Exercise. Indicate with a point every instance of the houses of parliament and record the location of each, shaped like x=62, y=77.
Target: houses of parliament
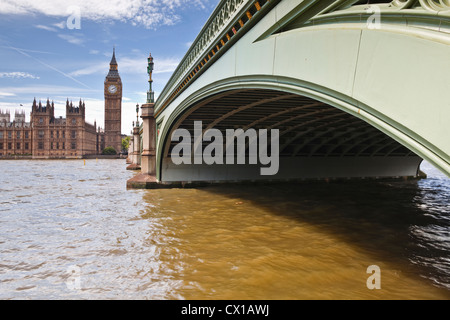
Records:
x=50, y=137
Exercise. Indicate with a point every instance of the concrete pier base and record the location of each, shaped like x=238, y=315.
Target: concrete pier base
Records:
x=134, y=166
x=143, y=181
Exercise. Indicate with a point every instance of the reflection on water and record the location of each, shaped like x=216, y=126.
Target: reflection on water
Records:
x=284, y=241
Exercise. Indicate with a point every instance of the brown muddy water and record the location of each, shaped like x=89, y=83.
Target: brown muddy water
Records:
x=70, y=230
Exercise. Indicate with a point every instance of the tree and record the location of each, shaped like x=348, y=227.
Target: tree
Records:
x=109, y=151
x=125, y=143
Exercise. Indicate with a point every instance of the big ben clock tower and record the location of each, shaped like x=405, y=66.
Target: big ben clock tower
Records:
x=113, y=106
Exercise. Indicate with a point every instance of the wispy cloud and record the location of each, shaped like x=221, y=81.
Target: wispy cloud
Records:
x=47, y=28
x=50, y=67
x=139, y=64
x=71, y=39
x=25, y=50
x=149, y=13
x=18, y=75
x=60, y=25
x=6, y=94
x=48, y=91
x=165, y=65
x=133, y=65
x=92, y=68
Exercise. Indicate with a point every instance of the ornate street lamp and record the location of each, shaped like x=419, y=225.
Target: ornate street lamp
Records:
x=137, y=115
x=150, y=93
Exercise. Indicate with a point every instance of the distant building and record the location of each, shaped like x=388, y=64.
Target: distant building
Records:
x=49, y=137
x=16, y=136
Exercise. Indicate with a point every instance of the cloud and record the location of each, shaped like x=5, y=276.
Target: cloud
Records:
x=12, y=107
x=129, y=65
x=139, y=64
x=50, y=67
x=6, y=94
x=18, y=75
x=71, y=39
x=148, y=13
x=25, y=50
x=60, y=25
x=40, y=26
x=92, y=68
x=165, y=65
x=10, y=7
x=48, y=90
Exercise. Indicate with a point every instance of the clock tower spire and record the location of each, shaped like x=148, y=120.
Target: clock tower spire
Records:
x=113, y=106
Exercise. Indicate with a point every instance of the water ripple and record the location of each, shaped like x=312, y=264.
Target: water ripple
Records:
x=73, y=231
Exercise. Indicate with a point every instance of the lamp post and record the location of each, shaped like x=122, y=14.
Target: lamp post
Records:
x=148, y=156
x=137, y=115
x=136, y=152
x=150, y=93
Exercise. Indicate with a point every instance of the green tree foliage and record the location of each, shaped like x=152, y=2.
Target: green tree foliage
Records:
x=109, y=150
x=125, y=143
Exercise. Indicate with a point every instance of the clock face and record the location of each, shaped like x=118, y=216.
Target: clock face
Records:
x=112, y=89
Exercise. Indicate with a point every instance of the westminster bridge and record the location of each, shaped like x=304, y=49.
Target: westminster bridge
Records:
x=355, y=89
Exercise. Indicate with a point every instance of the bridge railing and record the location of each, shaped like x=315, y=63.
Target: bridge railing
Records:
x=229, y=19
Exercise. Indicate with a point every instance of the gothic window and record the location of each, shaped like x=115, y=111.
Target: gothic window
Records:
x=18, y=145
x=1, y=136
x=26, y=146
x=9, y=145
x=26, y=134
x=74, y=134
x=18, y=134
x=51, y=134
x=9, y=134
x=41, y=134
x=74, y=121
x=41, y=120
x=74, y=145
x=41, y=145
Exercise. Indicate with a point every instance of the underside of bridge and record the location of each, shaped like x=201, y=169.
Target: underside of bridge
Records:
x=316, y=140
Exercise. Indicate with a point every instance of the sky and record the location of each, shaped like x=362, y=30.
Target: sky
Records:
x=61, y=50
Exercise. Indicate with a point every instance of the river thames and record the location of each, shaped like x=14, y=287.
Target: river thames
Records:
x=71, y=230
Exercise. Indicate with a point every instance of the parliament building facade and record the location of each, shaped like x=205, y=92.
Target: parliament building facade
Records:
x=50, y=137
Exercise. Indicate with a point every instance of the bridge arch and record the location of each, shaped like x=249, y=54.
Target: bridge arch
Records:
x=391, y=83
x=323, y=134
